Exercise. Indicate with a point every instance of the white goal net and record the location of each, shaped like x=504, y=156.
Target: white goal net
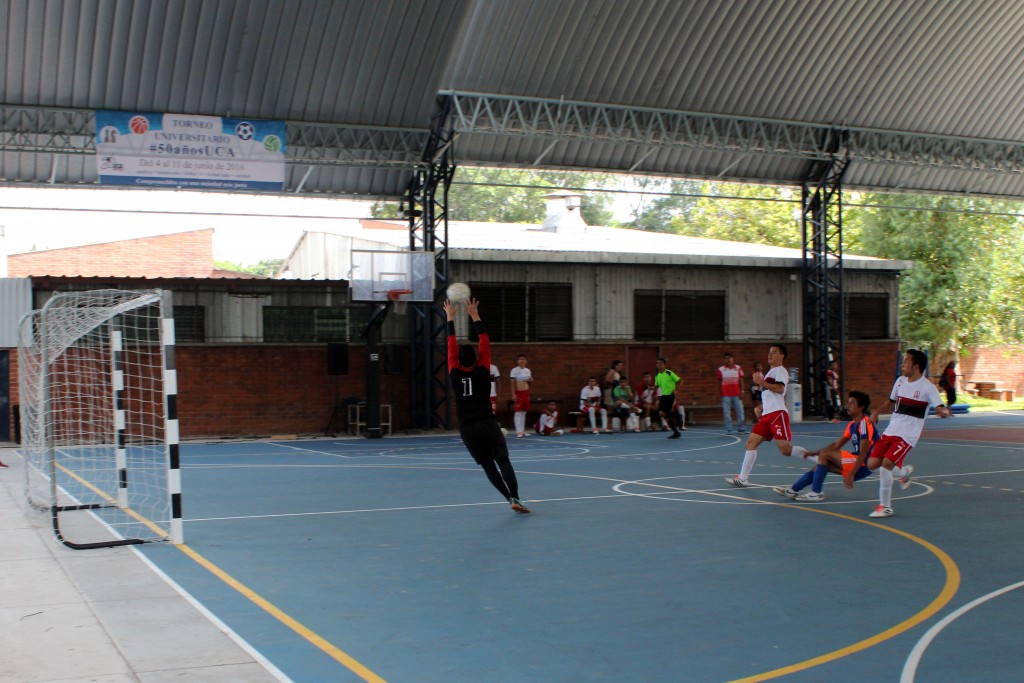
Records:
x=98, y=392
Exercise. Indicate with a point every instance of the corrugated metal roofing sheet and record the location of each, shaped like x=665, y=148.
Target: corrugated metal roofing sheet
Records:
x=926, y=66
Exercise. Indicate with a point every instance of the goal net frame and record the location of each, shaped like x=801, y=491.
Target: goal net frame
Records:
x=100, y=435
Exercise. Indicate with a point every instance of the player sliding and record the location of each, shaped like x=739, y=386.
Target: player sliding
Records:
x=861, y=434
x=913, y=393
x=774, y=422
x=478, y=427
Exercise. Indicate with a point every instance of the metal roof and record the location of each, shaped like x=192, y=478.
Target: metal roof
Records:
x=921, y=93
x=483, y=241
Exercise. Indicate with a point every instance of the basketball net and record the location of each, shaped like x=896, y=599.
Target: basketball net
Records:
x=398, y=304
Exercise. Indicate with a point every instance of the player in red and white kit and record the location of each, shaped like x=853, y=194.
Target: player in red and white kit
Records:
x=774, y=422
x=912, y=394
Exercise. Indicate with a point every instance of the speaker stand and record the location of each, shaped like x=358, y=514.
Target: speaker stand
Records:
x=338, y=417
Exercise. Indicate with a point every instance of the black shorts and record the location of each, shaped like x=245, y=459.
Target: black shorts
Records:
x=484, y=440
x=665, y=404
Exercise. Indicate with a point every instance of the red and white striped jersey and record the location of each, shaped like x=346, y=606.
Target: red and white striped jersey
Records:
x=913, y=399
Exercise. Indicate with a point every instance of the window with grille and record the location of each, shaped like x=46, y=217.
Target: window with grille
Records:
x=519, y=312
x=190, y=324
x=867, y=316
x=282, y=324
x=678, y=315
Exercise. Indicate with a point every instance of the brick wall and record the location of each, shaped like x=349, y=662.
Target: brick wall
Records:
x=1004, y=364
x=183, y=254
x=266, y=389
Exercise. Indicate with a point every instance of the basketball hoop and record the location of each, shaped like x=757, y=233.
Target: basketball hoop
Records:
x=398, y=303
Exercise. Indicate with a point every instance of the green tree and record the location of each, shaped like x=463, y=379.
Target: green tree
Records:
x=512, y=195
x=758, y=214
x=660, y=200
x=268, y=267
x=964, y=266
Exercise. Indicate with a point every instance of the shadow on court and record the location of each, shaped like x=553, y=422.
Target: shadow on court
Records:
x=394, y=559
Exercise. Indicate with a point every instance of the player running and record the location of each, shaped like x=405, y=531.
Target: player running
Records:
x=912, y=394
x=478, y=427
x=860, y=433
x=774, y=422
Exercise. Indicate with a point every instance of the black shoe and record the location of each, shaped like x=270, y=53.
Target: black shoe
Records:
x=675, y=435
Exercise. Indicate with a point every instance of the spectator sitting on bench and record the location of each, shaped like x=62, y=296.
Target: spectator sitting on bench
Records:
x=625, y=411
x=646, y=398
x=590, y=405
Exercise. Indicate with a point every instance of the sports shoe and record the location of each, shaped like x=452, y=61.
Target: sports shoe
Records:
x=905, y=480
x=520, y=435
x=596, y=432
x=737, y=482
x=3, y=464
x=674, y=435
x=519, y=507
x=557, y=432
x=785, y=491
x=881, y=511
x=811, y=497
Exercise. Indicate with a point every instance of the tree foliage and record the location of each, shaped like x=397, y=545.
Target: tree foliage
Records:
x=512, y=195
x=268, y=267
x=966, y=282
x=759, y=214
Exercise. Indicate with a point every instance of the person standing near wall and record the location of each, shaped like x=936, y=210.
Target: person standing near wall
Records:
x=521, y=379
x=666, y=380
x=730, y=377
x=948, y=383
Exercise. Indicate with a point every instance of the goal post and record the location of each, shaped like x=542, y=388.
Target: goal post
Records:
x=98, y=388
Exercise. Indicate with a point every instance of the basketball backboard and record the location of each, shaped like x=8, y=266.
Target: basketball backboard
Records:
x=375, y=273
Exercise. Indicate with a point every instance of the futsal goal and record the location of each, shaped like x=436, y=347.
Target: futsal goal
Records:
x=98, y=395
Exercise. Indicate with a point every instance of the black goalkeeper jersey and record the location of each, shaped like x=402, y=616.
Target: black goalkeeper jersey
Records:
x=472, y=386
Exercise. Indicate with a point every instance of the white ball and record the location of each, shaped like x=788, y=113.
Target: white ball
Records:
x=458, y=292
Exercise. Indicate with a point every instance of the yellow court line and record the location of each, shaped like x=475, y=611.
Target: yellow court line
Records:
x=947, y=593
x=326, y=647
x=110, y=499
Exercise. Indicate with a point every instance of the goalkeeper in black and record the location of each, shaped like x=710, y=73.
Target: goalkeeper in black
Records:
x=470, y=373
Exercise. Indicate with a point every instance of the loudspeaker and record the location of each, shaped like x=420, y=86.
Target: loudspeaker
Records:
x=396, y=358
x=337, y=358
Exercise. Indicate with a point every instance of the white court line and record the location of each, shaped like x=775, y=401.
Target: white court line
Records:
x=910, y=667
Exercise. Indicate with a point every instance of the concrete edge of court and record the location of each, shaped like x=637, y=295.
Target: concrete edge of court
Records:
x=80, y=615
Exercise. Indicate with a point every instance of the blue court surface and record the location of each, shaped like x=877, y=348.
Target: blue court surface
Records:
x=393, y=559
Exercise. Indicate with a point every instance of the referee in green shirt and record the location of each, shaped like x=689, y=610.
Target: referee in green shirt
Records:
x=667, y=381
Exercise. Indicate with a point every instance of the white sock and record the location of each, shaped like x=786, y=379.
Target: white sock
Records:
x=799, y=451
x=898, y=472
x=593, y=419
x=749, y=458
x=519, y=419
x=885, y=487
x=604, y=420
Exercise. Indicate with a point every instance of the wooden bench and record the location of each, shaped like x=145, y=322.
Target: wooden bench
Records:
x=993, y=390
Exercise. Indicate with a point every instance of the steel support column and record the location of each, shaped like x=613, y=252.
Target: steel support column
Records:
x=426, y=207
x=824, y=304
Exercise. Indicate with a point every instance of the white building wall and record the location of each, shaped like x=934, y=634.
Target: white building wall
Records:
x=762, y=303
x=15, y=303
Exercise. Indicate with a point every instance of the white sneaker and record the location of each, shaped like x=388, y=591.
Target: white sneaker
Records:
x=905, y=480
x=737, y=482
x=785, y=491
x=881, y=511
x=557, y=432
x=596, y=432
x=811, y=497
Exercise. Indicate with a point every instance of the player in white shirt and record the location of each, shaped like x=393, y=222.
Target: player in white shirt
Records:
x=521, y=378
x=912, y=394
x=774, y=422
x=590, y=405
x=495, y=376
